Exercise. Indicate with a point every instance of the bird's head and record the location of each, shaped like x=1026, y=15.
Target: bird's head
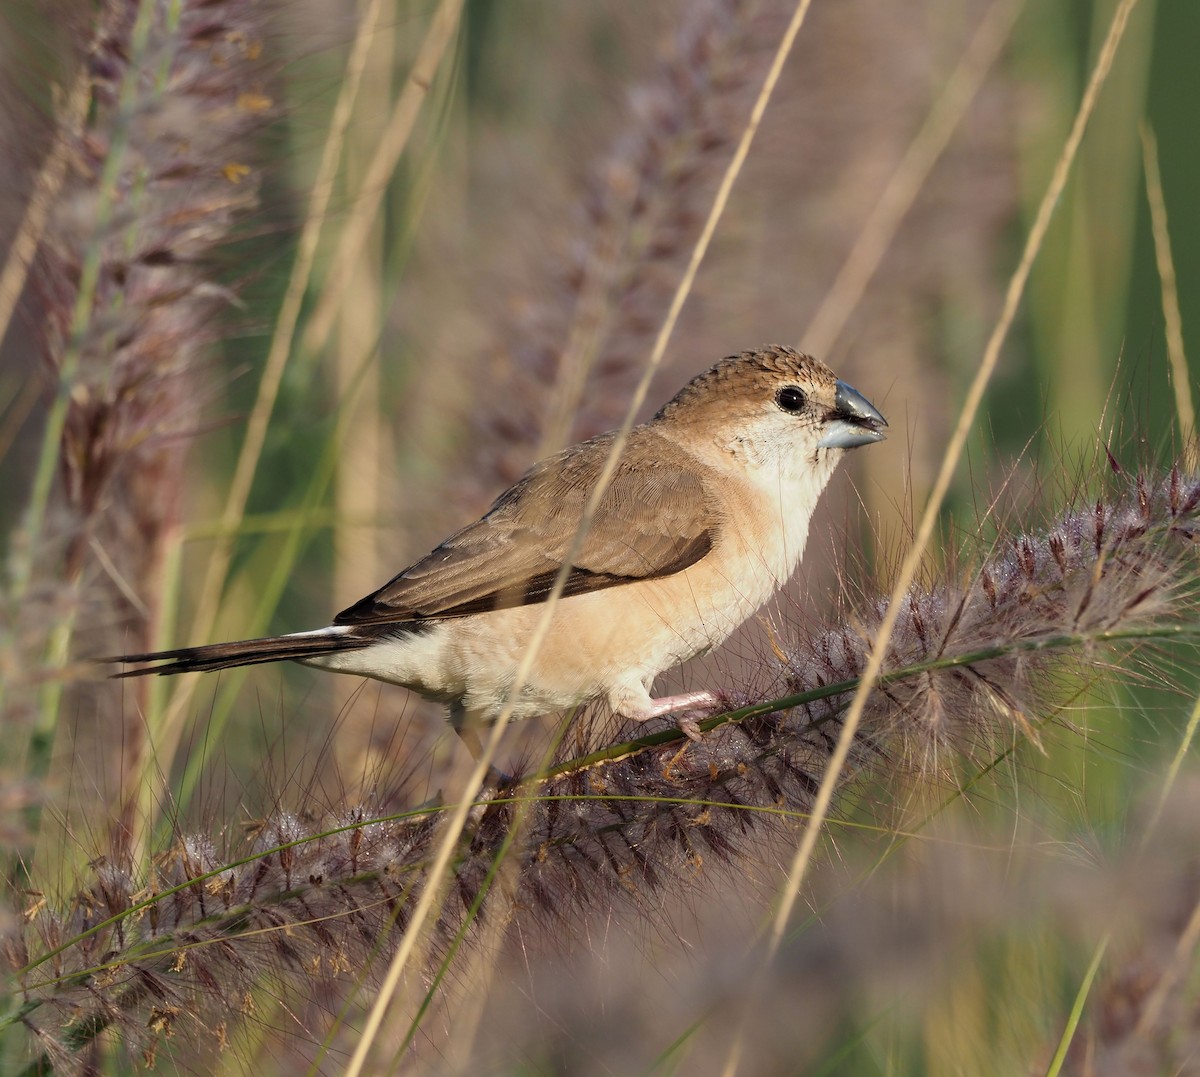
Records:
x=774, y=407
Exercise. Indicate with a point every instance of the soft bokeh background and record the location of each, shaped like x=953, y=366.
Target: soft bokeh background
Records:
x=545, y=205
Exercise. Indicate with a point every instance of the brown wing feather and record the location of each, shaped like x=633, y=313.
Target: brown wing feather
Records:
x=654, y=520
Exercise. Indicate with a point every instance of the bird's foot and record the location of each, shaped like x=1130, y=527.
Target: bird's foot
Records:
x=496, y=783
x=687, y=709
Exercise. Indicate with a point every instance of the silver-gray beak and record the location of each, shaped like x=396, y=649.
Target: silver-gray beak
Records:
x=855, y=421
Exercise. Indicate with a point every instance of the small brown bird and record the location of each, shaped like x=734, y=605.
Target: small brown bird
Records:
x=705, y=518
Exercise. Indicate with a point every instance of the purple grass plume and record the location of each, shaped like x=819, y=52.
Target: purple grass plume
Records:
x=975, y=662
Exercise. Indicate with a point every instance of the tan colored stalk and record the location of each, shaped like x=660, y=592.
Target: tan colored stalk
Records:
x=362, y=215
x=1181, y=754
x=906, y=182
x=1181, y=964
x=356, y=487
x=365, y=211
x=1172, y=319
x=435, y=886
x=166, y=730
x=954, y=449
x=46, y=187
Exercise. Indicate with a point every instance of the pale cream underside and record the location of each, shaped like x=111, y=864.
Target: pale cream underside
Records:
x=613, y=643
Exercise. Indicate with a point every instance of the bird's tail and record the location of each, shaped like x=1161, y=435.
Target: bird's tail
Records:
x=246, y=652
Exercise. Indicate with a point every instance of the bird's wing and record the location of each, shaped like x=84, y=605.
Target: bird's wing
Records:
x=654, y=520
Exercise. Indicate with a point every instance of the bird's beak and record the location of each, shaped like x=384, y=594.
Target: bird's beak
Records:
x=854, y=421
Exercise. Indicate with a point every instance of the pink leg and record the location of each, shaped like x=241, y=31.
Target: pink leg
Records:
x=688, y=707
x=671, y=704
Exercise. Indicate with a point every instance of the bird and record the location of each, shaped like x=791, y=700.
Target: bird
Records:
x=706, y=516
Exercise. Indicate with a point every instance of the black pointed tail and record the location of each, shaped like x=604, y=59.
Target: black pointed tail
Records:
x=246, y=652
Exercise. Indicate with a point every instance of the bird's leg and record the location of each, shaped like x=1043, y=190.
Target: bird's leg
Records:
x=686, y=708
x=466, y=724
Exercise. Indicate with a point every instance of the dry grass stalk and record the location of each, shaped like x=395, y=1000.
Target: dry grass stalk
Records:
x=1172, y=319
x=587, y=322
x=950, y=459
x=128, y=307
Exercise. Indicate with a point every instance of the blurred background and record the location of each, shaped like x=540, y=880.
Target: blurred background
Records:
x=515, y=265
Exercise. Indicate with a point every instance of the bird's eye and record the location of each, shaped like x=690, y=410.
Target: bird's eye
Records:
x=790, y=398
